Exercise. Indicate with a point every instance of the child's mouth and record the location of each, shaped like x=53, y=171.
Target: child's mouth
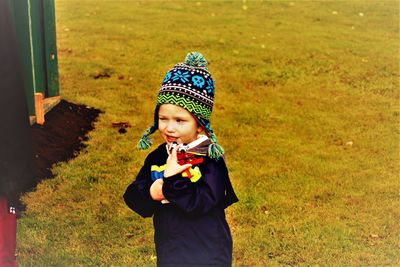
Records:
x=171, y=139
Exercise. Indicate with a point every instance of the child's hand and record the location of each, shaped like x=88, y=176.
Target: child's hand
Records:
x=156, y=190
x=172, y=167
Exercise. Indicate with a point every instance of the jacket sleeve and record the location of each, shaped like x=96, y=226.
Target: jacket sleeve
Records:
x=137, y=195
x=200, y=197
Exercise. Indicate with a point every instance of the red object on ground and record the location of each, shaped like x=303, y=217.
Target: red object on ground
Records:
x=8, y=234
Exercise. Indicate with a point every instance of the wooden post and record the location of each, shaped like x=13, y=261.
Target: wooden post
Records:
x=39, y=108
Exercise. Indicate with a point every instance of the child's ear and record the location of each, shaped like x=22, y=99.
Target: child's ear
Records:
x=200, y=129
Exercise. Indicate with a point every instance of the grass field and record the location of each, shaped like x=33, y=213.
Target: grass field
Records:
x=307, y=109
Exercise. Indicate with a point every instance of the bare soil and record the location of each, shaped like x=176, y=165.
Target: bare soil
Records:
x=62, y=135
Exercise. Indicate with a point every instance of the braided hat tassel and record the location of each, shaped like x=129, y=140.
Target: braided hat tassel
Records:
x=145, y=142
x=215, y=151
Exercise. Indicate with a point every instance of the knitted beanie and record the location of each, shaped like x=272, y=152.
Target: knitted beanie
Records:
x=188, y=85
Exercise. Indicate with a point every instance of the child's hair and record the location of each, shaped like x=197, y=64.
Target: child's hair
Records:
x=189, y=85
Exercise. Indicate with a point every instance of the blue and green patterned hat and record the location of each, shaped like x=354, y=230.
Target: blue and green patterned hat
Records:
x=189, y=85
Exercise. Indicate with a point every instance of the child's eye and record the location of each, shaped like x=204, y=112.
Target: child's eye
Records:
x=180, y=120
x=162, y=119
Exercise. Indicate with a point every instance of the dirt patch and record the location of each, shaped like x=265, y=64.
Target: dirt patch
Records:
x=60, y=138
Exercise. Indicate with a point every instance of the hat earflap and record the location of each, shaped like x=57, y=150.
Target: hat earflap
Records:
x=215, y=151
x=145, y=142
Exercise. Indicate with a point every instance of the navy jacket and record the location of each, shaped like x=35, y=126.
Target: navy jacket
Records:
x=191, y=230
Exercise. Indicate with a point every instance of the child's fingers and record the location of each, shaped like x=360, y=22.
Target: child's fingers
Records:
x=182, y=168
x=174, y=152
x=186, y=166
x=171, y=147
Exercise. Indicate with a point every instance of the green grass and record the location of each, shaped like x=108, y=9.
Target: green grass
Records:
x=296, y=82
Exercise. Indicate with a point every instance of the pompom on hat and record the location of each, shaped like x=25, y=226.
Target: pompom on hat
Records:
x=188, y=85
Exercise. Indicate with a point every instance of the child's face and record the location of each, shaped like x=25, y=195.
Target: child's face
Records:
x=176, y=124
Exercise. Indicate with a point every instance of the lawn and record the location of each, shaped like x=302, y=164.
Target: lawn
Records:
x=307, y=110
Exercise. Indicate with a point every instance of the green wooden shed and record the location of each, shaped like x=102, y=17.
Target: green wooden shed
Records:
x=35, y=26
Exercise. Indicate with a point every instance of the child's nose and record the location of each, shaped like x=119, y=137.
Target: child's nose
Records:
x=170, y=127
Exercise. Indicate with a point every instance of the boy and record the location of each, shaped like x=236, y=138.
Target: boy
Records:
x=184, y=183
